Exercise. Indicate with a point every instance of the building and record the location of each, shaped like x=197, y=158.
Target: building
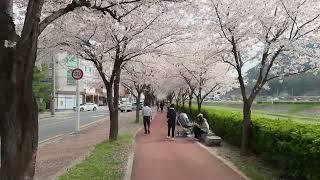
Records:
x=90, y=86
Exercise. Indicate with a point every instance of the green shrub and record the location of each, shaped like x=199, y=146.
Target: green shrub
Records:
x=292, y=147
x=41, y=105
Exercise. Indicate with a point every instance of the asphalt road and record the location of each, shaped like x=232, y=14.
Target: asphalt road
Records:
x=60, y=125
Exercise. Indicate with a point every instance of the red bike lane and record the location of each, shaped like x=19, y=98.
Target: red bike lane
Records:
x=157, y=158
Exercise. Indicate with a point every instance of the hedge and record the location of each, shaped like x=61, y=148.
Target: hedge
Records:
x=292, y=147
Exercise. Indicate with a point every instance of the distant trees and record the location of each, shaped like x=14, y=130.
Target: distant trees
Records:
x=136, y=78
x=304, y=84
x=41, y=87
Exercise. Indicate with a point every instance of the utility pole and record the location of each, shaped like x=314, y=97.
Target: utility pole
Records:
x=53, y=73
x=77, y=101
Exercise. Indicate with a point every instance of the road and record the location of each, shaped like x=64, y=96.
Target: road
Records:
x=52, y=127
x=60, y=125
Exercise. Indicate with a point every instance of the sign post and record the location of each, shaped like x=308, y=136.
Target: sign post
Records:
x=53, y=71
x=77, y=74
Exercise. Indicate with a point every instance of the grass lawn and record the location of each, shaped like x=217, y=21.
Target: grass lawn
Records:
x=293, y=112
x=106, y=162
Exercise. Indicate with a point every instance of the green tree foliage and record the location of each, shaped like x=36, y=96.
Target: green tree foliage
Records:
x=41, y=87
x=303, y=84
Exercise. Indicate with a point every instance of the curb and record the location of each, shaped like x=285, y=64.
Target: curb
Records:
x=73, y=163
x=128, y=173
x=49, y=139
x=224, y=161
x=47, y=118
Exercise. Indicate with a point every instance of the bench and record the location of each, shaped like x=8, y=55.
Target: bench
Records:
x=213, y=141
x=210, y=139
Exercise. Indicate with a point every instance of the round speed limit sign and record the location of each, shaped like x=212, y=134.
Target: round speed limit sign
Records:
x=77, y=74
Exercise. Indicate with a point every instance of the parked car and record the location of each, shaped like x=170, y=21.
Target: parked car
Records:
x=134, y=106
x=125, y=107
x=87, y=107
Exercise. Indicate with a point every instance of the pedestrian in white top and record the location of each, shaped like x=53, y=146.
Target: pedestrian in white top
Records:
x=147, y=116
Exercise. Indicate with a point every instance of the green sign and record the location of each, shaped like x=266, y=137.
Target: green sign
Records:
x=71, y=63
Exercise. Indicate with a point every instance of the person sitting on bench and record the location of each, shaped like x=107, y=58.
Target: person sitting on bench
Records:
x=200, y=127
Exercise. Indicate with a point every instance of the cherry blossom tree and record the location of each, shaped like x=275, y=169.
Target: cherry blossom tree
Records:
x=205, y=76
x=182, y=94
x=112, y=44
x=137, y=76
x=199, y=67
x=18, y=52
x=279, y=36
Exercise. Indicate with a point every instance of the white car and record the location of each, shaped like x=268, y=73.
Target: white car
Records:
x=134, y=106
x=87, y=107
x=125, y=107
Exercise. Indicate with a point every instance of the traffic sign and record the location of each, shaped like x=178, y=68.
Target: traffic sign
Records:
x=44, y=81
x=77, y=74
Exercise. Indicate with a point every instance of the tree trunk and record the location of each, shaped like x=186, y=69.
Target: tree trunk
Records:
x=170, y=99
x=148, y=95
x=190, y=104
x=18, y=109
x=138, y=107
x=114, y=124
x=110, y=104
x=183, y=103
x=199, y=103
x=177, y=102
x=246, y=127
x=19, y=137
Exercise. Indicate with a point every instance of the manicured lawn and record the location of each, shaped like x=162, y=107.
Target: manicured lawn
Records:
x=107, y=161
x=302, y=113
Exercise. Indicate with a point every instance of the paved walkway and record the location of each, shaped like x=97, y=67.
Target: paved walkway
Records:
x=159, y=159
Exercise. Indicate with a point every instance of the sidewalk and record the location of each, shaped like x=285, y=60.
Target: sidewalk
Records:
x=157, y=158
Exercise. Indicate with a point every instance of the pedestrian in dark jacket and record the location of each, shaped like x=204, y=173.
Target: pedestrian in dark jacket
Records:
x=171, y=115
x=161, y=106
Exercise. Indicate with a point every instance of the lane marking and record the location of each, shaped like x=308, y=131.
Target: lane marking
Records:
x=64, y=118
x=48, y=139
x=99, y=115
x=54, y=118
x=89, y=124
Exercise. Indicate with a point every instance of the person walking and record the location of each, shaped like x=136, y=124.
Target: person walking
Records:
x=158, y=106
x=161, y=106
x=171, y=115
x=147, y=117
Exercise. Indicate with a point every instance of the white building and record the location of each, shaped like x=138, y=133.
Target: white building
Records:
x=90, y=86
